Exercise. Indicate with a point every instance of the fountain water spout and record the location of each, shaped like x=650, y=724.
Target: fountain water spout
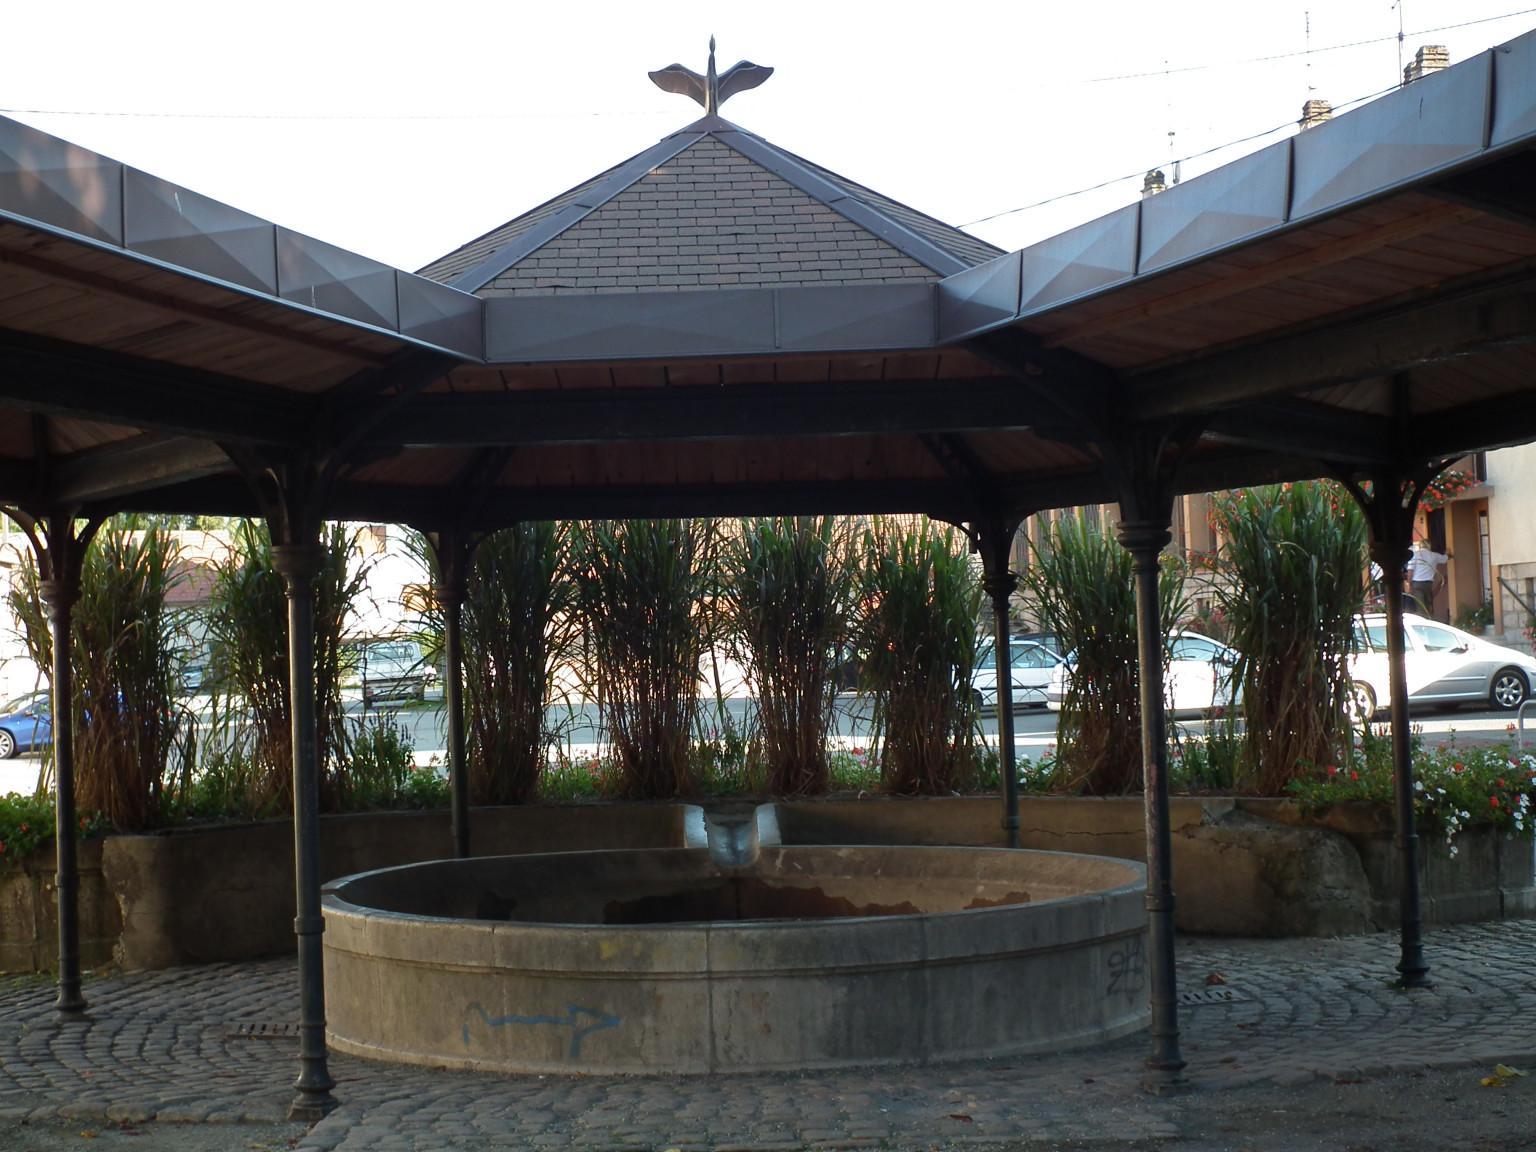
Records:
x=731, y=831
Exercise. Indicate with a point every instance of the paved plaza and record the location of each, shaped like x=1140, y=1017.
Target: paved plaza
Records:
x=213, y=1045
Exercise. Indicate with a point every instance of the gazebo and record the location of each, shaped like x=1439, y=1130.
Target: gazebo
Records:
x=717, y=326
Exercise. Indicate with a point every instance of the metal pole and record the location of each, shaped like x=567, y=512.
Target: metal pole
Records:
x=60, y=594
x=1390, y=551
x=298, y=565
x=1000, y=585
x=1145, y=541
x=451, y=592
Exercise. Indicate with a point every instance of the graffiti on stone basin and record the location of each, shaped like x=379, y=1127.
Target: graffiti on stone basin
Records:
x=1127, y=970
x=581, y=1021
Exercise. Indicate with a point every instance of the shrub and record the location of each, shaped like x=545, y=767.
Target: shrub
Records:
x=1295, y=555
x=518, y=624
x=919, y=603
x=1083, y=584
x=786, y=593
x=642, y=587
x=126, y=661
x=248, y=625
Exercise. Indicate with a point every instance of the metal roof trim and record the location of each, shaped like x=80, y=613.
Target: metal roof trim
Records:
x=955, y=289
x=596, y=327
x=627, y=174
x=238, y=289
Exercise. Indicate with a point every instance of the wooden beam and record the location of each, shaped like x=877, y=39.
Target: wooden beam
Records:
x=1303, y=427
x=1483, y=425
x=58, y=378
x=594, y=416
x=1373, y=344
x=1328, y=251
x=142, y=464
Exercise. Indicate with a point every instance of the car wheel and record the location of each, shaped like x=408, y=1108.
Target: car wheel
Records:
x=1362, y=702
x=7, y=745
x=1509, y=689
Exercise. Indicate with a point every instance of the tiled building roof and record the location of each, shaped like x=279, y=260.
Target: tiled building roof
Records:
x=711, y=207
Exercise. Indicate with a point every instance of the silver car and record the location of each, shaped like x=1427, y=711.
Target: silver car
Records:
x=1032, y=664
x=1445, y=666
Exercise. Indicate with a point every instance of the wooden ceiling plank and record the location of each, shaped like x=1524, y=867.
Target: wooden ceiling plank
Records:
x=1335, y=252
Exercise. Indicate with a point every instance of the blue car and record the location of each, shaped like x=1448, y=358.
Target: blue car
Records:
x=26, y=723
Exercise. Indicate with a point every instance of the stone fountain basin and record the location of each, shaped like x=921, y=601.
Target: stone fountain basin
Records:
x=650, y=960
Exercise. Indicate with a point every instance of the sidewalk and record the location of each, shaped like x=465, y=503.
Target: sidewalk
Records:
x=1292, y=1021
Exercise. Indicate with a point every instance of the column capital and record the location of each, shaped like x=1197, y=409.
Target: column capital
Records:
x=297, y=564
x=1144, y=539
x=1000, y=585
x=59, y=595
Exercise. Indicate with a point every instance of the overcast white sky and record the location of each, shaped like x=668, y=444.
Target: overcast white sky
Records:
x=402, y=130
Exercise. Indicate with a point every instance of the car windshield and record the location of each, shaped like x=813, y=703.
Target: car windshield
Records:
x=24, y=701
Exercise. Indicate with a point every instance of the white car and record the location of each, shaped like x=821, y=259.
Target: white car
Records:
x=1032, y=664
x=1198, y=679
x=1445, y=666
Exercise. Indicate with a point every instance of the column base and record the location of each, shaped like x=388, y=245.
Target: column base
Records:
x=311, y=1108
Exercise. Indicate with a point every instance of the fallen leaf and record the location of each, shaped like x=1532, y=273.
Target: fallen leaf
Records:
x=1215, y=978
x=87, y=1134
x=1506, y=1071
x=1491, y=1082
x=960, y=1116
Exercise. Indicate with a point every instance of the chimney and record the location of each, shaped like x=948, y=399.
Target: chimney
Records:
x=1315, y=112
x=1154, y=183
x=1429, y=58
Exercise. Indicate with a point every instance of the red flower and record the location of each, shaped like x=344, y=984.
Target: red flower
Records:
x=1500, y=783
x=1457, y=767
x=858, y=751
x=1332, y=771
x=1494, y=800
x=1353, y=775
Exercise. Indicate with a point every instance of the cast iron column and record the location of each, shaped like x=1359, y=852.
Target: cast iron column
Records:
x=1145, y=540
x=996, y=540
x=451, y=595
x=298, y=564
x=1389, y=548
x=60, y=593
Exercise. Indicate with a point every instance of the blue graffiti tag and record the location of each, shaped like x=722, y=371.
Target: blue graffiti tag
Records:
x=572, y=1019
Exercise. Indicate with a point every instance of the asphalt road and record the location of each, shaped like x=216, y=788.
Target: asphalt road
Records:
x=1034, y=729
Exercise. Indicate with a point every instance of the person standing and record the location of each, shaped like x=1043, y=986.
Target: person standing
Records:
x=1423, y=566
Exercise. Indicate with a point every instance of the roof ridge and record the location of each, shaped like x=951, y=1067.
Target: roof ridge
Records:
x=920, y=237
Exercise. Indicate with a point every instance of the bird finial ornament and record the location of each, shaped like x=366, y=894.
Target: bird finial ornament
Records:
x=711, y=90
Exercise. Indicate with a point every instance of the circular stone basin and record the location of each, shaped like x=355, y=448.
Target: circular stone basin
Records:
x=656, y=960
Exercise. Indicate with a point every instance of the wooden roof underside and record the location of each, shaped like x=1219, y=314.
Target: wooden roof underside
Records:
x=1397, y=326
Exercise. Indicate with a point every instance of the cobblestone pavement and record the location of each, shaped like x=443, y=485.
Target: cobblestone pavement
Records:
x=208, y=1044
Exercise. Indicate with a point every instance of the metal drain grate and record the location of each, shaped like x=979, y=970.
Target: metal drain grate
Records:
x=262, y=1030
x=1197, y=996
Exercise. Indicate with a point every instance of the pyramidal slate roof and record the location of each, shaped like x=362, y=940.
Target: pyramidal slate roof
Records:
x=711, y=206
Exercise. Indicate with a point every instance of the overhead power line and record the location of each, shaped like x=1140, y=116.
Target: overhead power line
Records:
x=1304, y=51
x=1140, y=173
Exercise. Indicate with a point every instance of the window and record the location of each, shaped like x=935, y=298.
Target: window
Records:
x=1436, y=639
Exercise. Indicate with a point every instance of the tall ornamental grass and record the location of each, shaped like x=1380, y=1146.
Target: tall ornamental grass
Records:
x=248, y=626
x=786, y=593
x=1295, y=555
x=519, y=624
x=1084, y=589
x=919, y=602
x=643, y=589
x=126, y=659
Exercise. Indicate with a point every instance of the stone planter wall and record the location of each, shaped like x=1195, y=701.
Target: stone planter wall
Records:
x=29, y=912
x=192, y=896
x=1242, y=867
